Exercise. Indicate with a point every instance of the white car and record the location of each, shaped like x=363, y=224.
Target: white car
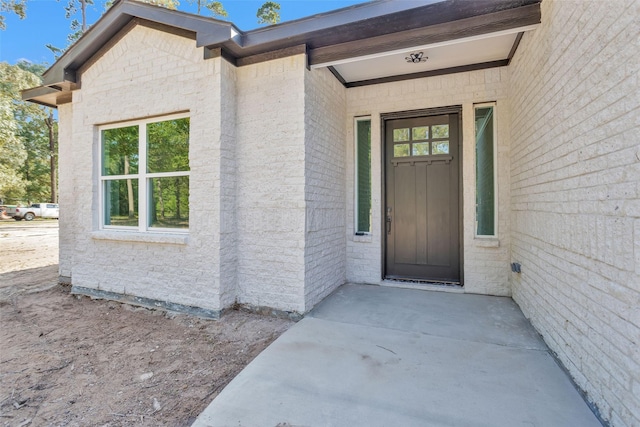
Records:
x=42, y=210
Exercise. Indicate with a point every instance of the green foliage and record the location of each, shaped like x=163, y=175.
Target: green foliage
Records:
x=216, y=9
x=269, y=13
x=19, y=7
x=167, y=151
x=169, y=4
x=24, y=144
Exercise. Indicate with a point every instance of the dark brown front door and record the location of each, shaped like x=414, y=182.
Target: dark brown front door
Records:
x=422, y=194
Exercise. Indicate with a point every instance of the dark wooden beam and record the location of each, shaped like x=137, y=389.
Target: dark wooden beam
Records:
x=516, y=43
x=276, y=54
x=338, y=76
x=217, y=52
x=468, y=27
x=431, y=73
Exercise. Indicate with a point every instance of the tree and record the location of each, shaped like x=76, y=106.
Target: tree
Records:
x=19, y=7
x=78, y=28
x=216, y=9
x=169, y=4
x=39, y=132
x=15, y=114
x=269, y=13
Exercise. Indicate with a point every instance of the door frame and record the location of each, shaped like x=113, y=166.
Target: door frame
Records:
x=409, y=114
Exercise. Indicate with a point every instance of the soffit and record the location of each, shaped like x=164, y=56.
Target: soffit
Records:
x=361, y=43
x=490, y=50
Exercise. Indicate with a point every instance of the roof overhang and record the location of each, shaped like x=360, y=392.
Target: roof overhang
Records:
x=352, y=42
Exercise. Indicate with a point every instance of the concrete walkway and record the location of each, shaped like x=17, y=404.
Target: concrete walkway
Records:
x=378, y=356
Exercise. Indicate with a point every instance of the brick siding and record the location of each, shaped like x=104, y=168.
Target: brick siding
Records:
x=325, y=253
x=575, y=194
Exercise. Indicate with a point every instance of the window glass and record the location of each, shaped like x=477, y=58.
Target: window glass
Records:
x=363, y=176
x=440, y=147
x=400, y=135
x=121, y=202
x=145, y=174
x=421, y=149
x=401, y=150
x=169, y=202
x=485, y=185
x=440, y=131
x=120, y=151
x=421, y=132
x=168, y=146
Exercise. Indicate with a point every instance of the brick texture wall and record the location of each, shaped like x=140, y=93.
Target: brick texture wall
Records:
x=146, y=73
x=486, y=262
x=575, y=194
x=325, y=254
x=65, y=197
x=270, y=153
x=227, y=269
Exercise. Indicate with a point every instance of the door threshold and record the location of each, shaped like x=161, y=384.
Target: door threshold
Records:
x=427, y=285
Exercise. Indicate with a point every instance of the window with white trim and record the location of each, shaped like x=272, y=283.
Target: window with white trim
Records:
x=144, y=174
x=486, y=172
x=363, y=175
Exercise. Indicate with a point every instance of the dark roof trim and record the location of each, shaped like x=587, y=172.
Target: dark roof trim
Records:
x=117, y=18
x=516, y=43
x=383, y=19
x=468, y=27
x=366, y=28
x=431, y=73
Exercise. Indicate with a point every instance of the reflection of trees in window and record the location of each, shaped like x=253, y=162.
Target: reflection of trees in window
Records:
x=485, y=171
x=120, y=157
x=164, y=149
x=363, y=171
x=168, y=151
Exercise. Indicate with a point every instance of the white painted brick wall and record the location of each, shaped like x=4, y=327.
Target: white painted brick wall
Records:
x=228, y=233
x=486, y=268
x=147, y=73
x=65, y=192
x=575, y=194
x=325, y=252
x=271, y=208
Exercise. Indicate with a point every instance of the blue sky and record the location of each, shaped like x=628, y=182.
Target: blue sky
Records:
x=46, y=24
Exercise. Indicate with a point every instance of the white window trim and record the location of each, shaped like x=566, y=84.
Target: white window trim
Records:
x=142, y=176
x=495, y=172
x=355, y=177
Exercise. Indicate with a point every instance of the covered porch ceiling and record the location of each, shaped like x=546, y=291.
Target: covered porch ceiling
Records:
x=369, y=43
x=464, y=54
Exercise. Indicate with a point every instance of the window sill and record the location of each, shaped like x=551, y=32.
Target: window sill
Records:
x=487, y=242
x=133, y=236
x=363, y=238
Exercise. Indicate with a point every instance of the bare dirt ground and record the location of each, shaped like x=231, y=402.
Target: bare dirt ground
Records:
x=73, y=361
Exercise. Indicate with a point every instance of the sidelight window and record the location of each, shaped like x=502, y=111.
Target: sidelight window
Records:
x=486, y=154
x=363, y=175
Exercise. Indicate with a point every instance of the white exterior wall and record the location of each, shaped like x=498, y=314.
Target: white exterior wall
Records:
x=270, y=156
x=66, y=184
x=226, y=239
x=146, y=73
x=325, y=253
x=575, y=194
x=485, y=261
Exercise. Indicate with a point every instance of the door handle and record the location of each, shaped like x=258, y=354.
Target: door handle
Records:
x=389, y=219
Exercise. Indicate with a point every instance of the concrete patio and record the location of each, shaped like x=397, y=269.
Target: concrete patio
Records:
x=380, y=356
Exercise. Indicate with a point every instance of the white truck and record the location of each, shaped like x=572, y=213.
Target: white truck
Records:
x=42, y=210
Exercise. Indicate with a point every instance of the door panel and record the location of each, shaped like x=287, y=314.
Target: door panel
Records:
x=422, y=191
